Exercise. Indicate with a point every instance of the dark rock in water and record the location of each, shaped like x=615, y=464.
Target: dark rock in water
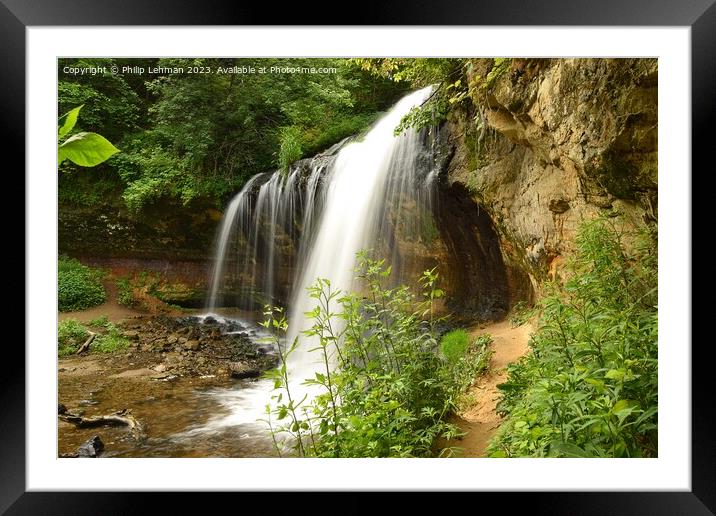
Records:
x=91, y=448
x=241, y=370
x=233, y=327
x=210, y=320
x=264, y=349
x=61, y=409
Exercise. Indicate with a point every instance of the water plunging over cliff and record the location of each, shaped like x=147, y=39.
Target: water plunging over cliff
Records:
x=377, y=192
x=354, y=214
x=285, y=230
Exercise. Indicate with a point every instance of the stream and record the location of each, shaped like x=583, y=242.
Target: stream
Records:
x=182, y=416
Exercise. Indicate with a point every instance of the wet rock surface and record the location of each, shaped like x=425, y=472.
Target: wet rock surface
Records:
x=91, y=448
x=195, y=346
x=171, y=378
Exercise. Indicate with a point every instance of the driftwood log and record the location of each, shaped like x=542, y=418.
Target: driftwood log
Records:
x=119, y=418
x=84, y=347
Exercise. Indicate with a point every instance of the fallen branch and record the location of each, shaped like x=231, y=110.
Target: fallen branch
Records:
x=87, y=343
x=120, y=418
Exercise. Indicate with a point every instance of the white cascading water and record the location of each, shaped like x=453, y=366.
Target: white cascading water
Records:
x=228, y=223
x=349, y=200
x=354, y=198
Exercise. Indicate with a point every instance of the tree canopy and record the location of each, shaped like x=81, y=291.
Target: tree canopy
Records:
x=187, y=135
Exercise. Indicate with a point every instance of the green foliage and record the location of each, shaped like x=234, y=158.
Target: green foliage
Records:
x=418, y=72
x=201, y=136
x=85, y=149
x=78, y=286
x=446, y=74
x=125, y=292
x=101, y=322
x=454, y=344
x=112, y=103
x=110, y=341
x=469, y=366
x=520, y=314
x=290, y=149
x=499, y=66
x=70, y=336
x=384, y=389
x=70, y=121
x=589, y=386
x=429, y=114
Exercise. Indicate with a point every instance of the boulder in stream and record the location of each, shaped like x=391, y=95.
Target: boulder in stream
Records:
x=91, y=448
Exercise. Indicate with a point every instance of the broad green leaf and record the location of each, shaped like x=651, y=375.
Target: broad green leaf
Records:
x=70, y=121
x=87, y=149
x=623, y=408
x=594, y=382
x=615, y=374
x=60, y=156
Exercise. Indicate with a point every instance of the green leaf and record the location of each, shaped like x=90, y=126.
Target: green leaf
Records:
x=615, y=374
x=623, y=408
x=61, y=156
x=70, y=121
x=560, y=448
x=86, y=149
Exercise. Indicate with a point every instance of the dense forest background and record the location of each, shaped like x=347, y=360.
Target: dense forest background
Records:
x=190, y=136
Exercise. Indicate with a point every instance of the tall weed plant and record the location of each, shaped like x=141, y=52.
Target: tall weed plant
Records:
x=384, y=388
x=588, y=388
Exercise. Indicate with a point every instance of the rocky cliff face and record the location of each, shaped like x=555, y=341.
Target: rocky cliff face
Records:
x=553, y=142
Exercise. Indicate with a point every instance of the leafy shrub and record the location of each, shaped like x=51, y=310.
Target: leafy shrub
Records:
x=78, y=286
x=474, y=361
x=70, y=336
x=125, y=292
x=385, y=389
x=589, y=386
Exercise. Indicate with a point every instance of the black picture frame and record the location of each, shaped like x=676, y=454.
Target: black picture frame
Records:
x=700, y=15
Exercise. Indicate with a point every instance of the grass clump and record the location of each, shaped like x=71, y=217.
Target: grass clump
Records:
x=110, y=341
x=589, y=386
x=70, y=336
x=454, y=344
x=78, y=286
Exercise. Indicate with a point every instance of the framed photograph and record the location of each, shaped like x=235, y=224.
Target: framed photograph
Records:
x=399, y=257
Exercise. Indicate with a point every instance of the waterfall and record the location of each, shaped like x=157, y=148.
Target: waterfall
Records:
x=282, y=231
x=355, y=195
